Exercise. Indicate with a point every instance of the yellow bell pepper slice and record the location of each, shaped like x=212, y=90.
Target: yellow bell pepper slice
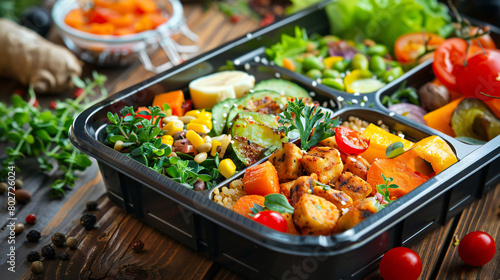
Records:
x=329, y=61
x=436, y=151
x=379, y=141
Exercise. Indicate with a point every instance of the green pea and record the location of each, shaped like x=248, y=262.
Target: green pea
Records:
x=393, y=74
x=377, y=50
x=334, y=83
x=377, y=64
x=314, y=74
x=341, y=65
x=330, y=73
x=360, y=62
x=312, y=62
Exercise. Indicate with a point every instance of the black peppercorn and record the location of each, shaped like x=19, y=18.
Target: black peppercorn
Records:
x=137, y=246
x=58, y=239
x=91, y=205
x=33, y=256
x=33, y=235
x=48, y=252
x=37, y=267
x=88, y=221
x=64, y=256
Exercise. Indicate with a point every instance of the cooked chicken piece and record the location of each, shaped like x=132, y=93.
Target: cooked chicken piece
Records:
x=338, y=198
x=357, y=165
x=287, y=162
x=315, y=215
x=303, y=185
x=325, y=162
x=285, y=188
x=290, y=225
x=359, y=211
x=353, y=186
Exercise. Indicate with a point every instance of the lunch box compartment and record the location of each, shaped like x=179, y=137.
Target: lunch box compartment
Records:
x=254, y=250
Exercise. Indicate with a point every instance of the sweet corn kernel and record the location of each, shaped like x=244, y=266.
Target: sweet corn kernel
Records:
x=204, y=115
x=206, y=122
x=194, y=138
x=227, y=168
x=167, y=140
x=192, y=113
x=215, y=145
x=173, y=127
x=196, y=127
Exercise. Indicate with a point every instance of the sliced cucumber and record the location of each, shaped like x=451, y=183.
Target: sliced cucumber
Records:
x=283, y=87
x=219, y=115
x=252, y=134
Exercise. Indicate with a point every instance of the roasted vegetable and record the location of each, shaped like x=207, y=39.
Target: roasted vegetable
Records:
x=472, y=118
x=287, y=162
x=261, y=179
x=315, y=215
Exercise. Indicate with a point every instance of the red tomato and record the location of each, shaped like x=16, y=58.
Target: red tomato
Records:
x=485, y=40
x=481, y=75
x=102, y=15
x=31, y=219
x=449, y=58
x=271, y=219
x=409, y=47
x=350, y=141
x=476, y=248
x=400, y=263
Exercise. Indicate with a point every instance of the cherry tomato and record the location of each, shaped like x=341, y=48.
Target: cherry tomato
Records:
x=53, y=104
x=476, y=248
x=78, y=92
x=481, y=75
x=485, y=40
x=271, y=219
x=409, y=47
x=350, y=141
x=400, y=263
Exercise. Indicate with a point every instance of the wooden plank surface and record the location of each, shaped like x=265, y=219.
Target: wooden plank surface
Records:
x=105, y=252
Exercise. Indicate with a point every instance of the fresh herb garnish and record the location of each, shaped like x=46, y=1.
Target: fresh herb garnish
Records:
x=325, y=187
x=140, y=135
x=383, y=189
x=43, y=134
x=307, y=119
x=274, y=202
x=395, y=149
x=401, y=94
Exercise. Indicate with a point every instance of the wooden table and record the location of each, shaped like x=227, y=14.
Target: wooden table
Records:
x=105, y=252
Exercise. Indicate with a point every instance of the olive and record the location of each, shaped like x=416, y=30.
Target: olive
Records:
x=377, y=64
x=37, y=19
x=333, y=83
x=393, y=74
x=314, y=74
x=473, y=118
x=377, y=50
x=330, y=73
x=359, y=61
x=312, y=62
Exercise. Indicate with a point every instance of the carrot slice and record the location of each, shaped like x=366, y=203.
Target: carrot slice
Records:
x=243, y=205
x=402, y=175
x=440, y=119
x=174, y=99
x=261, y=179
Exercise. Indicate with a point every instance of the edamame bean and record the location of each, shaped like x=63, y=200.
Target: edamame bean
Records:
x=377, y=50
x=377, y=64
x=360, y=62
x=393, y=74
x=314, y=74
x=334, y=83
x=330, y=73
x=341, y=65
x=312, y=62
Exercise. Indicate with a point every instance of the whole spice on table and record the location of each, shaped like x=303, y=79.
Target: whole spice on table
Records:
x=4, y=187
x=88, y=221
x=64, y=256
x=48, y=252
x=37, y=267
x=72, y=242
x=18, y=183
x=137, y=246
x=58, y=239
x=31, y=219
x=33, y=236
x=91, y=205
x=33, y=256
x=23, y=196
x=19, y=227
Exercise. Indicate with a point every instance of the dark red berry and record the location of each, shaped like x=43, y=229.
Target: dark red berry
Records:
x=137, y=246
x=19, y=92
x=78, y=92
x=31, y=219
x=53, y=105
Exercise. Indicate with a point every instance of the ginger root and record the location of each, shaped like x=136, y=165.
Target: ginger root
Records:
x=32, y=60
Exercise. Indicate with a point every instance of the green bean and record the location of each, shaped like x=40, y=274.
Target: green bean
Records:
x=377, y=50
x=341, y=65
x=330, y=73
x=314, y=74
x=393, y=74
x=334, y=83
x=360, y=62
x=312, y=62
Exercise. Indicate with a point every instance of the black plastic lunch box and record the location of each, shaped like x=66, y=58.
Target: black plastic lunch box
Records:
x=251, y=249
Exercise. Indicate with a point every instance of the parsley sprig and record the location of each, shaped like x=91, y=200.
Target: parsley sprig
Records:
x=33, y=132
x=383, y=189
x=312, y=123
x=140, y=135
